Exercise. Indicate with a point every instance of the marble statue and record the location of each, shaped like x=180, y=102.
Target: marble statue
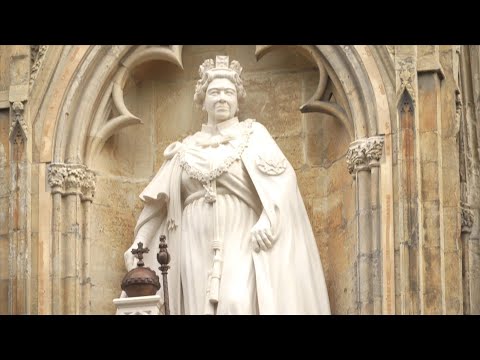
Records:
x=228, y=202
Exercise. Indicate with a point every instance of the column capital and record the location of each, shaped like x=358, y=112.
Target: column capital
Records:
x=69, y=179
x=363, y=154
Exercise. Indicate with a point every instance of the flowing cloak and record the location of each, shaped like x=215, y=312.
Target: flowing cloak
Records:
x=289, y=276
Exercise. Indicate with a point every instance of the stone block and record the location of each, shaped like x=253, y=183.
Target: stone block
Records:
x=348, y=200
x=452, y=228
x=119, y=193
x=4, y=215
x=274, y=101
x=327, y=214
x=307, y=178
x=431, y=224
x=453, y=282
x=4, y=257
x=4, y=297
x=293, y=149
x=34, y=210
x=5, y=60
x=451, y=186
x=450, y=156
x=429, y=146
x=430, y=181
x=432, y=280
x=113, y=235
x=339, y=260
x=279, y=59
x=326, y=139
x=337, y=178
x=428, y=102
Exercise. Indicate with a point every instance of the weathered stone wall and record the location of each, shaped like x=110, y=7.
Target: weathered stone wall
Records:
x=434, y=165
x=5, y=67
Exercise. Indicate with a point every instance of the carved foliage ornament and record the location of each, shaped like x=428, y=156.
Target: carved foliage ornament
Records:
x=364, y=153
x=37, y=56
x=18, y=121
x=270, y=166
x=374, y=150
x=467, y=218
x=458, y=110
x=356, y=157
x=406, y=71
x=72, y=178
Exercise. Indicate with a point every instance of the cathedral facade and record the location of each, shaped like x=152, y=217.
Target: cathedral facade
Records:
x=383, y=140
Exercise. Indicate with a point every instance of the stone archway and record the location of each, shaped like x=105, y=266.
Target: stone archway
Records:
x=80, y=122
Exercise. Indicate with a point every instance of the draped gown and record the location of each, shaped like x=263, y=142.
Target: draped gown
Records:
x=238, y=209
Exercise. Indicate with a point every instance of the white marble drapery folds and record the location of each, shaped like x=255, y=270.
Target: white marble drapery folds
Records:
x=250, y=176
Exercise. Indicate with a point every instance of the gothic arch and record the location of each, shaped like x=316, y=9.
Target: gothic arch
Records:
x=89, y=80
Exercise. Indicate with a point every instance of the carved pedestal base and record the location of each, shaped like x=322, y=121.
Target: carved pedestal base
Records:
x=141, y=305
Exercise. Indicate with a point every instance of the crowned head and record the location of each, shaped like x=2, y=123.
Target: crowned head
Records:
x=221, y=69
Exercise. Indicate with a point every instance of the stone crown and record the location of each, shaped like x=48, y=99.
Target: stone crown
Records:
x=221, y=63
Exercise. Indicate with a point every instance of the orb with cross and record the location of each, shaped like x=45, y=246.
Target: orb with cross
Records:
x=140, y=281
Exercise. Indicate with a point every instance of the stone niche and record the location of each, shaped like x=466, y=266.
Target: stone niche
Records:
x=161, y=94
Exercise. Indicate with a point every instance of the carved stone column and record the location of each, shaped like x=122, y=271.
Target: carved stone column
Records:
x=357, y=163
x=467, y=224
x=431, y=217
x=374, y=153
x=19, y=232
x=363, y=161
x=73, y=188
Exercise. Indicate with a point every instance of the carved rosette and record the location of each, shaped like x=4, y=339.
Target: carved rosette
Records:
x=406, y=72
x=18, y=121
x=68, y=179
x=467, y=219
x=363, y=154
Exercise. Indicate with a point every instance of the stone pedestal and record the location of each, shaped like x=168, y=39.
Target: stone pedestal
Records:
x=141, y=305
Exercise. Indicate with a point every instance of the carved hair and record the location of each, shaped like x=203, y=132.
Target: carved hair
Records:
x=208, y=73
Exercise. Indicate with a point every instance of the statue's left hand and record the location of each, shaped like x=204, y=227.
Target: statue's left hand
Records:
x=262, y=234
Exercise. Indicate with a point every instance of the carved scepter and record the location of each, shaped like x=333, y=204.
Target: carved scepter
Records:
x=163, y=257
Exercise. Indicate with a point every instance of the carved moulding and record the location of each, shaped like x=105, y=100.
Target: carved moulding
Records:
x=364, y=154
x=103, y=127
x=68, y=179
x=37, y=56
x=406, y=71
x=467, y=218
x=315, y=104
x=18, y=127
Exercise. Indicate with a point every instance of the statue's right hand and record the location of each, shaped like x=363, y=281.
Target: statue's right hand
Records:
x=129, y=260
x=261, y=234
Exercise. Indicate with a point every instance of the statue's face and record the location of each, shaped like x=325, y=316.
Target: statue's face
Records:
x=221, y=101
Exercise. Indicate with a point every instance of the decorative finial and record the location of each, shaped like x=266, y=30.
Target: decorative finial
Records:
x=163, y=257
x=138, y=252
